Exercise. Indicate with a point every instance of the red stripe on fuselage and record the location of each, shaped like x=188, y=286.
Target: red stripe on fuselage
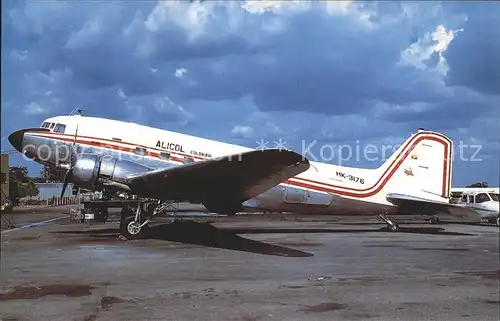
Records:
x=379, y=188
x=114, y=147
x=384, y=179
x=71, y=138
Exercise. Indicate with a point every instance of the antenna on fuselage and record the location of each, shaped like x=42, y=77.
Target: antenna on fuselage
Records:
x=77, y=110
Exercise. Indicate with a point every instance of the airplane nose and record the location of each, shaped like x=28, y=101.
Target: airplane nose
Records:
x=16, y=139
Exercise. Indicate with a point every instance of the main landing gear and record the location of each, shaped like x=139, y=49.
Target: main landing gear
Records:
x=135, y=221
x=391, y=224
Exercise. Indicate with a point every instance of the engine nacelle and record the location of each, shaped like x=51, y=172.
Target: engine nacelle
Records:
x=90, y=171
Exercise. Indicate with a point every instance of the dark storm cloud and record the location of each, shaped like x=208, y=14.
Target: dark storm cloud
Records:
x=320, y=68
x=474, y=58
x=458, y=112
x=291, y=72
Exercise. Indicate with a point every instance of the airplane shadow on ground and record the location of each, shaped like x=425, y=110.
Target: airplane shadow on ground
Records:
x=189, y=232
x=200, y=234
x=410, y=230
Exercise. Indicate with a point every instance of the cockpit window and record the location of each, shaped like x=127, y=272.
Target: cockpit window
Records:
x=482, y=197
x=495, y=197
x=60, y=128
x=45, y=125
x=52, y=125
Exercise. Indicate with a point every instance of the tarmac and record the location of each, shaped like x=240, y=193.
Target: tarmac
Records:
x=252, y=267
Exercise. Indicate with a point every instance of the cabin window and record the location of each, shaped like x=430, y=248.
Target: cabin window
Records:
x=494, y=197
x=164, y=155
x=471, y=198
x=482, y=197
x=140, y=151
x=188, y=160
x=464, y=198
x=60, y=128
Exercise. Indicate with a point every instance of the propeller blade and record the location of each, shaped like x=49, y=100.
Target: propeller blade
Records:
x=73, y=158
x=67, y=177
x=64, y=188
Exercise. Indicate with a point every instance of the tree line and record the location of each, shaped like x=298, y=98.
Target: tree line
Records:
x=478, y=185
x=21, y=185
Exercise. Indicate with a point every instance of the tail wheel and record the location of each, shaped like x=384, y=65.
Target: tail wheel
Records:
x=391, y=224
x=393, y=227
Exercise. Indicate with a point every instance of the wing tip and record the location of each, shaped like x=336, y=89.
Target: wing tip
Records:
x=298, y=159
x=298, y=156
x=289, y=158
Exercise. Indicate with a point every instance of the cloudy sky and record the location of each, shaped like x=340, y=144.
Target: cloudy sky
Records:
x=328, y=74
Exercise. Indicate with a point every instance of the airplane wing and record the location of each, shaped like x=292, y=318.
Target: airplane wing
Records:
x=221, y=184
x=415, y=205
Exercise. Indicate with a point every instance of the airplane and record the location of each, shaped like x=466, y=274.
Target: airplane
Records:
x=485, y=201
x=159, y=166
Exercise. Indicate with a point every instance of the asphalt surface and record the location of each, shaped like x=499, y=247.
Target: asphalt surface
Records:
x=249, y=268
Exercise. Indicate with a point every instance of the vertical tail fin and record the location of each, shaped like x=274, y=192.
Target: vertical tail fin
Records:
x=421, y=167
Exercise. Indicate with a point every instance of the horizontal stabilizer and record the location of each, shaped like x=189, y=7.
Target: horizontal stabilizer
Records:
x=408, y=204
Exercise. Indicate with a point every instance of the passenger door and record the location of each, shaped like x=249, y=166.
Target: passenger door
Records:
x=294, y=195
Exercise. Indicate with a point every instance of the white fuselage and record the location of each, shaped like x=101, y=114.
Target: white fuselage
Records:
x=322, y=189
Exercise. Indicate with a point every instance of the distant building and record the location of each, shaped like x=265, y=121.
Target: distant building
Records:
x=4, y=177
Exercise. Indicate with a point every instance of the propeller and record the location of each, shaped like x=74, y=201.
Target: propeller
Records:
x=69, y=173
x=67, y=178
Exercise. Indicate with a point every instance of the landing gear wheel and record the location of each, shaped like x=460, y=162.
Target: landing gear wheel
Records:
x=131, y=229
x=498, y=221
x=391, y=224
